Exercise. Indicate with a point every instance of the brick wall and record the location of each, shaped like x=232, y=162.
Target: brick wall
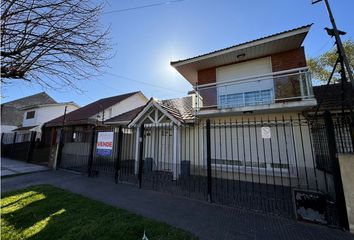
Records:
x=289, y=59
x=281, y=61
x=207, y=76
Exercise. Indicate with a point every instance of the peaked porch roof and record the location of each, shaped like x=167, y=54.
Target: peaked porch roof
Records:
x=179, y=110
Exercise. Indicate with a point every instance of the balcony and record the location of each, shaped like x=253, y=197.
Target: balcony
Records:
x=285, y=89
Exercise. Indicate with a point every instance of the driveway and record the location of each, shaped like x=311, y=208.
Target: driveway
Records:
x=207, y=221
x=13, y=167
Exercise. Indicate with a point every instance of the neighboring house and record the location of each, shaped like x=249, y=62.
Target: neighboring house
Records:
x=124, y=118
x=264, y=79
x=330, y=99
x=95, y=114
x=36, y=115
x=12, y=112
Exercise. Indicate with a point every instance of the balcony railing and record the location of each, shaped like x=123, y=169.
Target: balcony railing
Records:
x=278, y=87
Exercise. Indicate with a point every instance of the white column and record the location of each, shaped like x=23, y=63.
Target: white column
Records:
x=137, y=144
x=175, y=152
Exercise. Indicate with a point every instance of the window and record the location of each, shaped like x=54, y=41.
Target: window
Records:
x=246, y=99
x=30, y=115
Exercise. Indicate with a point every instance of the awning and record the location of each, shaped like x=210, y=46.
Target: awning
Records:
x=28, y=128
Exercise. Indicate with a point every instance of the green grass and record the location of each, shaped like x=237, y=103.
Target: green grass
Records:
x=46, y=212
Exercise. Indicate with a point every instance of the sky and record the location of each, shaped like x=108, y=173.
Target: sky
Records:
x=146, y=39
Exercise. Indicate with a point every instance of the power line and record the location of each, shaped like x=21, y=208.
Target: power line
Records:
x=143, y=6
x=144, y=83
x=324, y=46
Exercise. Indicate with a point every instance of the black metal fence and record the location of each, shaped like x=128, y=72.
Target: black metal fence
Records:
x=17, y=146
x=24, y=147
x=252, y=163
x=79, y=153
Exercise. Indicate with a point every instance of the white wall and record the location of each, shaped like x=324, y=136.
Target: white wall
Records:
x=7, y=128
x=240, y=70
x=126, y=105
x=46, y=113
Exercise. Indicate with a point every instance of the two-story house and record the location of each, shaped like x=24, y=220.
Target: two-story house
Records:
x=252, y=93
x=34, y=116
x=264, y=75
x=12, y=115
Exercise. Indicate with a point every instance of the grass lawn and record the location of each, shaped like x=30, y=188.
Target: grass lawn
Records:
x=46, y=212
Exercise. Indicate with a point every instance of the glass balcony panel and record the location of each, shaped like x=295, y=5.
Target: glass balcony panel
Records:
x=292, y=86
x=208, y=96
x=287, y=87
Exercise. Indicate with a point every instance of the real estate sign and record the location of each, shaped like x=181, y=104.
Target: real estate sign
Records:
x=104, y=144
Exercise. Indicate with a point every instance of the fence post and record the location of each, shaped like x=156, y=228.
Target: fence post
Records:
x=13, y=143
x=60, y=147
x=92, y=148
x=119, y=153
x=208, y=146
x=351, y=128
x=31, y=146
x=140, y=157
x=337, y=179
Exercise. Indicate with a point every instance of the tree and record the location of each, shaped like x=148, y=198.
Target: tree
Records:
x=51, y=42
x=321, y=67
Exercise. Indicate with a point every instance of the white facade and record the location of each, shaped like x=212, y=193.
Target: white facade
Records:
x=7, y=128
x=45, y=113
x=132, y=102
x=245, y=69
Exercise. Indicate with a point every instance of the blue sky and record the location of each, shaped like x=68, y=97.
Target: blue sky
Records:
x=146, y=40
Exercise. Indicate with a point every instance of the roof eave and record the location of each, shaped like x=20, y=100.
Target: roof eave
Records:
x=181, y=65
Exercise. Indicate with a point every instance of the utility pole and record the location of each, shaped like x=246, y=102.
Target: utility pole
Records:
x=61, y=138
x=340, y=48
x=64, y=117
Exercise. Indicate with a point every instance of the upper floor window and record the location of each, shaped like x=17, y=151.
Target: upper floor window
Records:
x=30, y=114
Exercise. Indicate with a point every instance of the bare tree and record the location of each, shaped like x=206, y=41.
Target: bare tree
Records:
x=51, y=42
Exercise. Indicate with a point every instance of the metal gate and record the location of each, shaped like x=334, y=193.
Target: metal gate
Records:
x=78, y=152
x=75, y=150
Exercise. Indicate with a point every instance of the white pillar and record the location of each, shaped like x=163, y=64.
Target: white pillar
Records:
x=175, y=152
x=137, y=144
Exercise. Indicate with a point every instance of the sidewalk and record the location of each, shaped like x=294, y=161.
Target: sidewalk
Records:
x=13, y=167
x=205, y=220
